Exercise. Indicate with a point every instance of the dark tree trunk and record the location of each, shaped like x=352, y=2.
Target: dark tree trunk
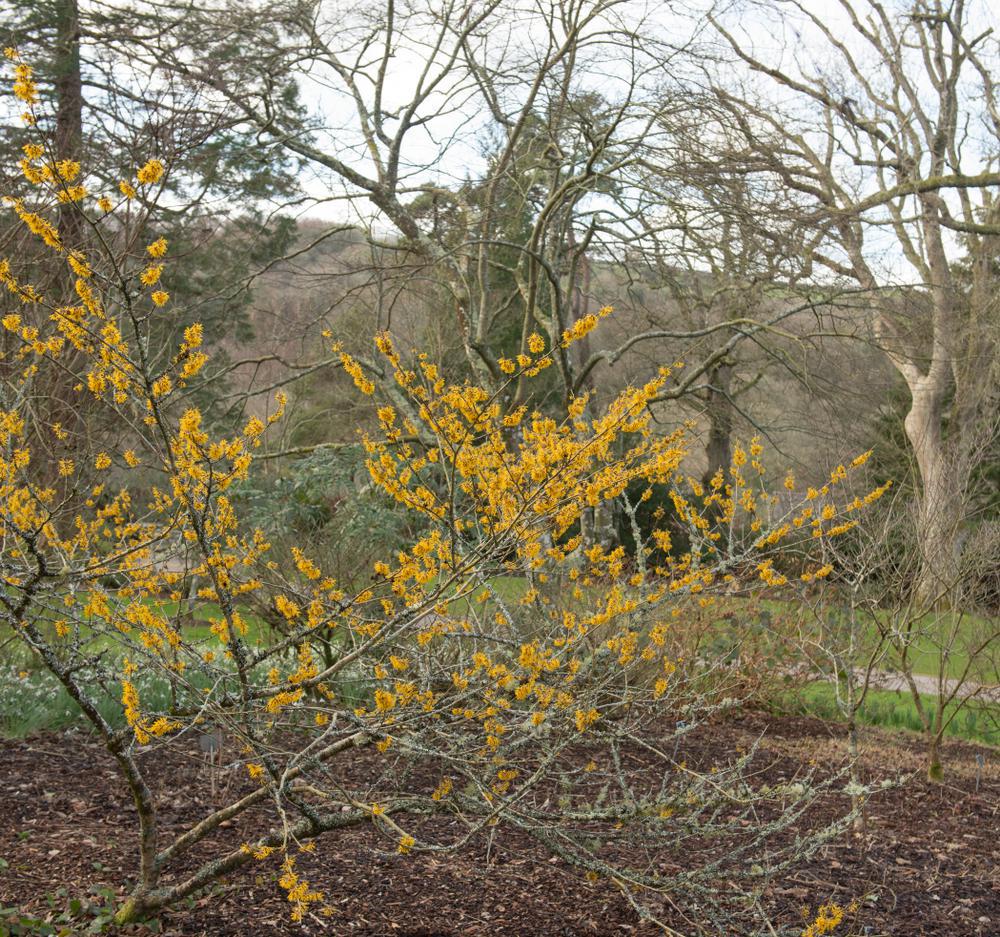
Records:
x=68, y=82
x=719, y=410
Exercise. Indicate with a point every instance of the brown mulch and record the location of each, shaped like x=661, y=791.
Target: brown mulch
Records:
x=929, y=863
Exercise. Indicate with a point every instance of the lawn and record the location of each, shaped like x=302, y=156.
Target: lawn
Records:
x=950, y=635
x=894, y=709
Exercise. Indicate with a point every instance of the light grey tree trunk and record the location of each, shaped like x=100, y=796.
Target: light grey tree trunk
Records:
x=940, y=507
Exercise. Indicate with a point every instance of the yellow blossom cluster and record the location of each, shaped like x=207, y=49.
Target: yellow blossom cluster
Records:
x=299, y=895
x=144, y=731
x=828, y=919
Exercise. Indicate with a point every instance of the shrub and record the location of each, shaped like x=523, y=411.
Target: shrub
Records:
x=508, y=703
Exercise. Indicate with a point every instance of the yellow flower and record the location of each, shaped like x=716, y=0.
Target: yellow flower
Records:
x=127, y=189
x=75, y=193
x=160, y=297
x=79, y=265
x=102, y=461
x=24, y=88
x=66, y=467
x=105, y=204
x=305, y=566
x=162, y=385
x=194, y=364
x=536, y=343
x=828, y=918
x=258, y=852
x=254, y=427
x=151, y=274
x=581, y=328
x=406, y=843
x=280, y=700
x=298, y=890
x=354, y=369
x=584, y=719
x=150, y=173
x=158, y=248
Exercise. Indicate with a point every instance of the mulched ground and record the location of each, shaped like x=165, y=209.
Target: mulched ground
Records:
x=929, y=863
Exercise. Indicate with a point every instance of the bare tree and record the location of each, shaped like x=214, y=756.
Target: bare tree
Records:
x=503, y=149
x=886, y=138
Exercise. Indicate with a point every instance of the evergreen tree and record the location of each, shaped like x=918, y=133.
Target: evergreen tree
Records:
x=214, y=202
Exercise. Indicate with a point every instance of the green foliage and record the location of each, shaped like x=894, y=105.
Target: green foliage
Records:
x=655, y=512
x=107, y=115
x=32, y=700
x=67, y=916
x=213, y=157
x=324, y=504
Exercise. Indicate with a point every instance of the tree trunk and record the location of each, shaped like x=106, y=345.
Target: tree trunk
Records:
x=857, y=800
x=939, y=508
x=719, y=411
x=68, y=82
x=935, y=770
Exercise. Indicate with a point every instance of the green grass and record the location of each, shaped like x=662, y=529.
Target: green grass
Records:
x=931, y=631
x=196, y=631
x=34, y=701
x=31, y=701
x=892, y=709
x=932, y=634
x=947, y=634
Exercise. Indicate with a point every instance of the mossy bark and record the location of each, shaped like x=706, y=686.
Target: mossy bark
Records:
x=135, y=908
x=935, y=770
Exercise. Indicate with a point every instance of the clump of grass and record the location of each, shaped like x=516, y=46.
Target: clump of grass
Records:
x=32, y=700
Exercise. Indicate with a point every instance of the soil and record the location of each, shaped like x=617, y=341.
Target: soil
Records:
x=927, y=864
